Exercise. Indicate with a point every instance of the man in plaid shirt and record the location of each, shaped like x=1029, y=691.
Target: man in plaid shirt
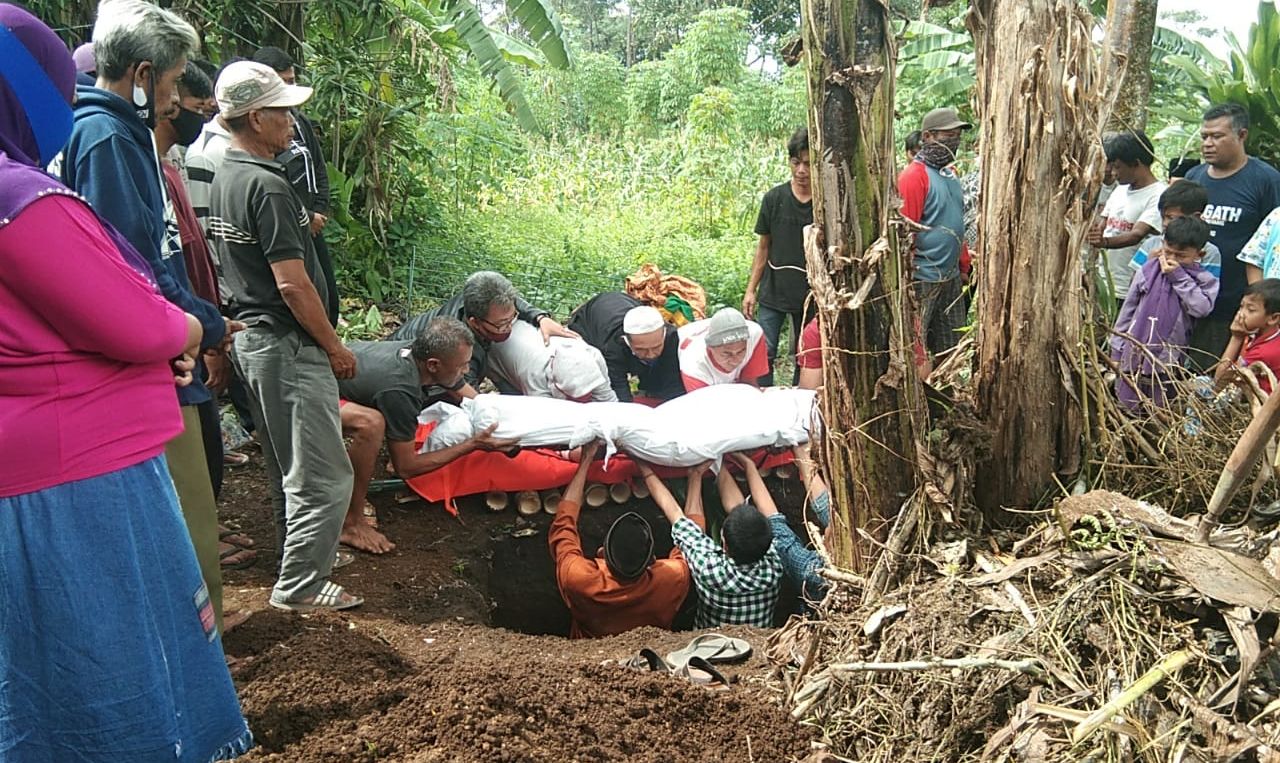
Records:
x=737, y=580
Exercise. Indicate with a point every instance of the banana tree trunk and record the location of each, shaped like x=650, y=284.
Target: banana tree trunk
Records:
x=1041, y=115
x=871, y=391
x=1131, y=29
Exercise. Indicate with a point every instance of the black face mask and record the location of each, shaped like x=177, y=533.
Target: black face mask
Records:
x=187, y=126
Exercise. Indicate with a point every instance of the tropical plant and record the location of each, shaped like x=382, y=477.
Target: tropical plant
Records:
x=1251, y=78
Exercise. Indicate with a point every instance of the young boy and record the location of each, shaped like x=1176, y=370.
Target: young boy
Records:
x=1186, y=198
x=1255, y=332
x=1170, y=291
x=739, y=577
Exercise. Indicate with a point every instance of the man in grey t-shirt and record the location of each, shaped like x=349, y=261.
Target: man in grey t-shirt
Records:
x=289, y=355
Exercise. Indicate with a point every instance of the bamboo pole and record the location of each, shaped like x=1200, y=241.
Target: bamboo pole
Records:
x=1164, y=669
x=496, y=500
x=1250, y=447
x=528, y=503
x=619, y=492
x=640, y=490
x=597, y=495
x=551, y=501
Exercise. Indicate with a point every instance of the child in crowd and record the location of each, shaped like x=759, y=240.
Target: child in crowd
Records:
x=1186, y=198
x=1255, y=333
x=1259, y=254
x=1168, y=293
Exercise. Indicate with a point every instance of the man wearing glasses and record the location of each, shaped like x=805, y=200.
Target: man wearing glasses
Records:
x=490, y=306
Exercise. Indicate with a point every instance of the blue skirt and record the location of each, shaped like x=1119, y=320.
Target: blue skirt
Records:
x=107, y=649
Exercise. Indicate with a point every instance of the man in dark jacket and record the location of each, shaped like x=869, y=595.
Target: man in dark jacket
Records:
x=635, y=341
x=141, y=50
x=489, y=305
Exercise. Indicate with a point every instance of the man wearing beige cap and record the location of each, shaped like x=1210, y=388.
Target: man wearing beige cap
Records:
x=289, y=355
x=723, y=349
x=932, y=196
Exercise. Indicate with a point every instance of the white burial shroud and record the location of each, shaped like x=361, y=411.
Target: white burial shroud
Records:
x=700, y=426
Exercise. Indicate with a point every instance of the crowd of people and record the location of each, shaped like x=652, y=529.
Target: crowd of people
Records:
x=186, y=207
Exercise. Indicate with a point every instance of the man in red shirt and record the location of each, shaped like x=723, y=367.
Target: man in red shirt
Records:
x=623, y=586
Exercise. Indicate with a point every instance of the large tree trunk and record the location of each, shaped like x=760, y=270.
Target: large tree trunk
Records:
x=871, y=391
x=1131, y=28
x=1038, y=90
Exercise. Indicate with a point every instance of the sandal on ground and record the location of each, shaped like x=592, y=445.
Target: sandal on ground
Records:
x=704, y=674
x=232, y=458
x=370, y=515
x=712, y=647
x=234, y=619
x=331, y=596
x=343, y=558
x=647, y=660
x=232, y=557
x=234, y=537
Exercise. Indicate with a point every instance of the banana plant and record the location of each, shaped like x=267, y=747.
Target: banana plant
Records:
x=1250, y=78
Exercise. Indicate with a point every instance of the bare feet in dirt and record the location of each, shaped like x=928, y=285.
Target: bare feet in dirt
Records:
x=359, y=535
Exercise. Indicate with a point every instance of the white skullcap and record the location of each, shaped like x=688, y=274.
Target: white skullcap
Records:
x=574, y=370
x=642, y=320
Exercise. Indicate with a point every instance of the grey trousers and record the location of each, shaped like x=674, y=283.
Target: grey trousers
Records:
x=294, y=398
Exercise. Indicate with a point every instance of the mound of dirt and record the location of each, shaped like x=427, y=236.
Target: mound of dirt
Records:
x=329, y=688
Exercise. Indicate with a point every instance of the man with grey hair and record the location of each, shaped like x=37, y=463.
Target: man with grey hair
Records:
x=141, y=51
x=386, y=396
x=289, y=354
x=490, y=306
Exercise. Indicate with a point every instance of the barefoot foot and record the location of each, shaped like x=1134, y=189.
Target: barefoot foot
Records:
x=361, y=536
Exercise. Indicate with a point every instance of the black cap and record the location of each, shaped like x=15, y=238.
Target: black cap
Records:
x=628, y=546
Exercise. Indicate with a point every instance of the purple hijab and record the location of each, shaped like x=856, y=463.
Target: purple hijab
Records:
x=37, y=86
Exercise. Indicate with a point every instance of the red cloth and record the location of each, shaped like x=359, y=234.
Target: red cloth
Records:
x=481, y=471
x=600, y=604
x=195, y=249
x=913, y=187
x=1264, y=350
x=809, y=354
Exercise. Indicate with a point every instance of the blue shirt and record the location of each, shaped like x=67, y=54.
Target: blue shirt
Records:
x=1237, y=205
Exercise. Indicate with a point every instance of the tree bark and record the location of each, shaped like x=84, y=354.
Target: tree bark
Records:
x=1042, y=107
x=1131, y=29
x=871, y=393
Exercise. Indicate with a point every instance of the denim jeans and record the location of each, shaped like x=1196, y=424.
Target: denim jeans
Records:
x=771, y=321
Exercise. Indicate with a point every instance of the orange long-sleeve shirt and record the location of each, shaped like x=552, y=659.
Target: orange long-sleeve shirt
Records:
x=600, y=604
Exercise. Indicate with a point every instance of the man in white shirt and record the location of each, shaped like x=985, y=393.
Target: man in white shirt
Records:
x=562, y=368
x=1131, y=212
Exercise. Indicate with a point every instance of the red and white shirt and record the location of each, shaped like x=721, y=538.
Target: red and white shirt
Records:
x=698, y=370
x=1263, y=348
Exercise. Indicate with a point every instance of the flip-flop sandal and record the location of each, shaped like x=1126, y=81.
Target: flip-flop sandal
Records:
x=647, y=660
x=331, y=596
x=235, y=537
x=712, y=647
x=370, y=515
x=704, y=674
x=233, y=459
x=232, y=557
x=343, y=558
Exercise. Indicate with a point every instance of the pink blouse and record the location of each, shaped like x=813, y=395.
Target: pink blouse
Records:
x=85, y=384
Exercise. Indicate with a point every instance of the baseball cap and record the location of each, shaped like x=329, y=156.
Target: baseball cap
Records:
x=943, y=119
x=247, y=85
x=725, y=327
x=642, y=320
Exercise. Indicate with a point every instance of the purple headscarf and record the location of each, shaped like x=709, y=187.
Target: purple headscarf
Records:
x=37, y=86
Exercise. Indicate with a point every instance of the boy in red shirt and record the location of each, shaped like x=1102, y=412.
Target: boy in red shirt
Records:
x=1255, y=333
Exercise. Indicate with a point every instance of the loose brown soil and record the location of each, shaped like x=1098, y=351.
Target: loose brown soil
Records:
x=417, y=673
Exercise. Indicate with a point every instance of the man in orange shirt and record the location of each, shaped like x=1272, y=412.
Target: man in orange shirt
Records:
x=623, y=586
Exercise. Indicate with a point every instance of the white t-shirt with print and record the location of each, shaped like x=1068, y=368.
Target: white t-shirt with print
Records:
x=1124, y=209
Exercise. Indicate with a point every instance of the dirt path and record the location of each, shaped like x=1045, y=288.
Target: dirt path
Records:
x=417, y=675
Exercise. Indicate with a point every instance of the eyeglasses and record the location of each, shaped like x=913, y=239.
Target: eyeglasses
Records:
x=503, y=326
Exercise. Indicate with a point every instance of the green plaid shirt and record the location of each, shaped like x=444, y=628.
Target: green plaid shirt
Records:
x=728, y=593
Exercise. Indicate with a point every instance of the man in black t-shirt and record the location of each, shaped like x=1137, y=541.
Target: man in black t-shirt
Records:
x=635, y=341
x=779, y=283
x=1242, y=192
x=385, y=397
